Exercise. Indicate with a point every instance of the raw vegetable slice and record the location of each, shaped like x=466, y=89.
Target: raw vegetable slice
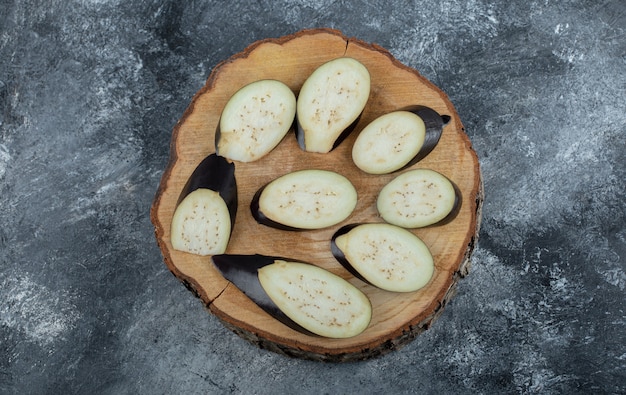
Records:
x=254, y=120
x=317, y=299
x=242, y=271
x=418, y=198
x=389, y=142
x=330, y=102
x=206, y=210
x=305, y=199
x=201, y=223
x=397, y=140
x=434, y=128
x=303, y=296
x=384, y=255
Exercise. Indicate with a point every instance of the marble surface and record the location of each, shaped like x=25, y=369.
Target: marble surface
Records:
x=90, y=91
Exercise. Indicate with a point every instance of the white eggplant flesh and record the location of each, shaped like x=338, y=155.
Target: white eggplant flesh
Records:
x=305, y=199
x=386, y=256
x=417, y=198
x=316, y=299
x=255, y=120
x=201, y=223
x=331, y=99
x=389, y=142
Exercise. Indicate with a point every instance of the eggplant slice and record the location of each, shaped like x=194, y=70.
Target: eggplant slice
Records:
x=383, y=255
x=302, y=296
x=434, y=124
x=397, y=140
x=330, y=103
x=255, y=120
x=205, y=213
x=304, y=199
x=418, y=198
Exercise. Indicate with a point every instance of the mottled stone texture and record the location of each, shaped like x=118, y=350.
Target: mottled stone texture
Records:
x=89, y=94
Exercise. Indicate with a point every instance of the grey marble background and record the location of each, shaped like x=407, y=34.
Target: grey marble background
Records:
x=90, y=91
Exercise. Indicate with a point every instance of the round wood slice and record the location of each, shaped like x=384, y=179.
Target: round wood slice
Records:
x=397, y=317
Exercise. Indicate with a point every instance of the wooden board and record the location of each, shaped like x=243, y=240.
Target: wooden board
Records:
x=397, y=317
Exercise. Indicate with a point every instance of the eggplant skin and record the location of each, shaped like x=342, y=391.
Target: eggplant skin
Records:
x=255, y=120
x=418, y=198
x=304, y=200
x=386, y=256
x=302, y=296
x=434, y=123
x=330, y=103
x=242, y=271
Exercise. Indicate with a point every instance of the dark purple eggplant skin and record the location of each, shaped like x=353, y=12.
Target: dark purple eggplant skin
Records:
x=218, y=134
x=217, y=174
x=242, y=271
x=258, y=215
x=434, y=128
x=346, y=132
x=340, y=256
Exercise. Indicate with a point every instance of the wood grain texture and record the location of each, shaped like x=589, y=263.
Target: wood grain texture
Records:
x=397, y=318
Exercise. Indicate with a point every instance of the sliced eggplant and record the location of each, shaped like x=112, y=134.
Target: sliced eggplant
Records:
x=206, y=210
x=386, y=256
x=397, y=140
x=418, y=198
x=242, y=271
x=254, y=120
x=330, y=102
x=304, y=199
x=303, y=296
x=434, y=124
